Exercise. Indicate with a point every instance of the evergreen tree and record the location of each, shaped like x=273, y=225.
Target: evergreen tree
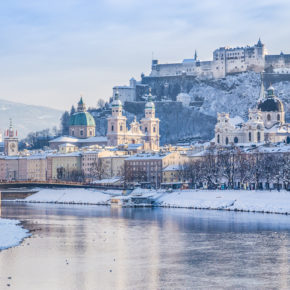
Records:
x=65, y=123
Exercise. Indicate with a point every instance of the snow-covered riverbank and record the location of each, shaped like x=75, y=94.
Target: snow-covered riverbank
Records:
x=11, y=233
x=253, y=201
x=241, y=200
x=72, y=196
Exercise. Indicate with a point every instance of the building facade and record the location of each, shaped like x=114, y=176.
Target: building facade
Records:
x=146, y=132
x=82, y=124
x=266, y=123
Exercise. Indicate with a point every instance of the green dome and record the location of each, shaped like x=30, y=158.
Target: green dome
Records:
x=82, y=119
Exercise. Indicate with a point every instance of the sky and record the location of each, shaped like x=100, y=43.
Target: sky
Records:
x=53, y=51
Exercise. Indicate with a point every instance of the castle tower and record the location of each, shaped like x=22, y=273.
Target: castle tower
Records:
x=116, y=124
x=150, y=125
x=11, y=141
x=82, y=123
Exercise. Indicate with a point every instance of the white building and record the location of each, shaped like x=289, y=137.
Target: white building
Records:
x=226, y=60
x=126, y=93
x=266, y=123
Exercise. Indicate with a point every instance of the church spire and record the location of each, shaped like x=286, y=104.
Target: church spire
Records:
x=195, y=55
x=262, y=89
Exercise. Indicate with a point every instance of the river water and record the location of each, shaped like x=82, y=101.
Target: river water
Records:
x=98, y=247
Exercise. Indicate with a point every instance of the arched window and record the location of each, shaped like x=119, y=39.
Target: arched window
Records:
x=278, y=117
x=269, y=117
x=146, y=130
x=236, y=140
x=112, y=128
x=227, y=140
x=121, y=128
x=250, y=136
x=259, y=136
x=218, y=139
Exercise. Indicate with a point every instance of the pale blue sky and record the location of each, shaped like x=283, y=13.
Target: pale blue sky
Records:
x=51, y=51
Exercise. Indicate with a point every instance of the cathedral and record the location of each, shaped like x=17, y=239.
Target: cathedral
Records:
x=82, y=124
x=266, y=123
x=146, y=132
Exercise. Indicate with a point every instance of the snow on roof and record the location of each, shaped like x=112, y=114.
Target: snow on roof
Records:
x=134, y=146
x=236, y=120
x=94, y=139
x=148, y=156
x=173, y=167
x=66, y=139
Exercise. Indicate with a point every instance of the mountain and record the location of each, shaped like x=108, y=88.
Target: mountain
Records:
x=27, y=118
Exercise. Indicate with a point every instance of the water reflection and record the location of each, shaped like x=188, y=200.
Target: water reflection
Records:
x=95, y=247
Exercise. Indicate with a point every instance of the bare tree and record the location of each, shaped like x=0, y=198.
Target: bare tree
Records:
x=98, y=169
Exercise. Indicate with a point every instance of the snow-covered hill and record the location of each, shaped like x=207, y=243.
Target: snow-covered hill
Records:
x=27, y=118
x=236, y=94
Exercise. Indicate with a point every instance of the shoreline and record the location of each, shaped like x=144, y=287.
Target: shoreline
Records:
x=15, y=231
x=269, y=202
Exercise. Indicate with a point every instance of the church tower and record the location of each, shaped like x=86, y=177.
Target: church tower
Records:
x=11, y=141
x=116, y=124
x=150, y=125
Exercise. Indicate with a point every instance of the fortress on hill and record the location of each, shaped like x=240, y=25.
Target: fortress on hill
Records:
x=226, y=60
x=168, y=80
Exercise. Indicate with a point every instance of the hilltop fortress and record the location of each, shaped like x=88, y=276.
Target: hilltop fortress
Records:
x=226, y=60
x=169, y=80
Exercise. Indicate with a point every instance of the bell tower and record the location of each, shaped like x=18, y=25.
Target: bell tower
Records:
x=10, y=141
x=150, y=125
x=116, y=124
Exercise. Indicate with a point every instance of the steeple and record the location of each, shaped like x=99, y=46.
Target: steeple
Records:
x=195, y=55
x=81, y=105
x=262, y=89
x=259, y=42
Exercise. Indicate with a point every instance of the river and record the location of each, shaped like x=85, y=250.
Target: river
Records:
x=98, y=247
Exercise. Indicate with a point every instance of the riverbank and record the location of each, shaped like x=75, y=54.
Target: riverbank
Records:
x=11, y=233
x=234, y=200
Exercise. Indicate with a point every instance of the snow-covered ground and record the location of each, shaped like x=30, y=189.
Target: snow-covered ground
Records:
x=73, y=196
x=242, y=200
x=254, y=201
x=11, y=233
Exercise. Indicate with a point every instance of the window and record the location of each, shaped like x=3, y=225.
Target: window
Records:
x=121, y=128
x=278, y=117
x=154, y=129
x=112, y=128
x=250, y=136
x=236, y=139
x=218, y=139
x=72, y=132
x=146, y=129
x=227, y=140
x=269, y=117
x=259, y=136
x=81, y=132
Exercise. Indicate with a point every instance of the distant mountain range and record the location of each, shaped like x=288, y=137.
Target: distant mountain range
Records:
x=27, y=118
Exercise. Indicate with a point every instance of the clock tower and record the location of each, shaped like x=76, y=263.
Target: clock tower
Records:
x=11, y=141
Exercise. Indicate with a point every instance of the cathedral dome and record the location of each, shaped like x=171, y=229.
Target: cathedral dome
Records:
x=82, y=119
x=271, y=103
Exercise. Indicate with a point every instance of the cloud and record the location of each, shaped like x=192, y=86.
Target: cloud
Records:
x=55, y=49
